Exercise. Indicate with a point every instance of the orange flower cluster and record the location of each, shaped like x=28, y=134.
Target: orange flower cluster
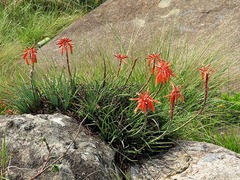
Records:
x=145, y=102
x=163, y=74
x=174, y=95
x=205, y=72
x=65, y=43
x=159, y=67
x=152, y=59
x=121, y=57
x=30, y=53
x=163, y=71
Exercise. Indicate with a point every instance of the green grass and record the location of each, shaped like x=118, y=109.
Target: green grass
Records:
x=24, y=23
x=220, y=124
x=4, y=157
x=217, y=132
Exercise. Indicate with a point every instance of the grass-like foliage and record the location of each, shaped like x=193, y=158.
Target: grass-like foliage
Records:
x=25, y=98
x=24, y=23
x=4, y=157
x=110, y=113
x=233, y=104
x=51, y=94
x=58, y=93
x=137, y=115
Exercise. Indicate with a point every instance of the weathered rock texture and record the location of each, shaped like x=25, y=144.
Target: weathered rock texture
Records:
x=137, y=23
x=91, y=159
x=87, y=158
x=190, y=160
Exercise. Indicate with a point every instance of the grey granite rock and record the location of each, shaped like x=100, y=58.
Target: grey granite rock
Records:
x=88, y=157
x=137, y=24
x=190, y=160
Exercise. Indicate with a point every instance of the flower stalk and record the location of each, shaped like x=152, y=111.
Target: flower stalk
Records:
x=205, y=73
x=173, y=97
x=121, y=58
x=63, y=44
x=134, y=63
x=31, y=53
x=159, y=89
x=149, y=79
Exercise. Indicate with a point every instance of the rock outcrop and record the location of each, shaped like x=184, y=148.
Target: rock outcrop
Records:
x=87, y=158
x=136, y=24
x=190, y=160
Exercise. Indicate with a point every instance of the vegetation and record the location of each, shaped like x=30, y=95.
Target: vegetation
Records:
x=25, y=23
x=133, y=124
x=5, y=158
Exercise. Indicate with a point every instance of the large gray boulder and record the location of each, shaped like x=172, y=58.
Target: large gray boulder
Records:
x=137, y=24
x=88, y=157
x=190, y=160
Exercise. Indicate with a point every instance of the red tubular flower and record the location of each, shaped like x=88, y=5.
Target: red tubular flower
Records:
x=174, y=95
x=205, y=72
x=30, y=53
x=121, y=57
x=152, y=59
x=64, y=43
x=145, y=102
x=163, y=72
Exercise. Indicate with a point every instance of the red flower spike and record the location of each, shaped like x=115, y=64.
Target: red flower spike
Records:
x=30, y=53
x=205, y=71
x=145, y=102
x=64, y=43
x=121, y=57
x=153, y=58
x=163, y=72
x=174, y=95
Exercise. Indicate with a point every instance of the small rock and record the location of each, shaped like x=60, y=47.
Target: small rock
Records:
x=88, y=158
x=190, y=160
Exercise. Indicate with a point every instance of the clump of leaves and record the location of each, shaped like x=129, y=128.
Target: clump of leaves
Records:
x=48, y=95
x=132, y=126
x=110, y=114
